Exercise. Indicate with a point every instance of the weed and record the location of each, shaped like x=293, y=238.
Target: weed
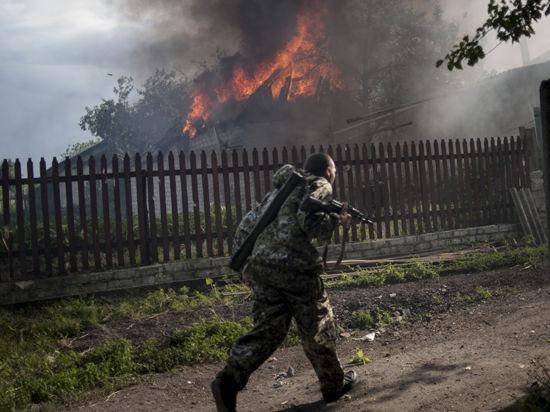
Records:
x=420, y=270
x=362, y=319
x=394, y=274
x=369, y=319
x=527, y=256
x=360, y=358
x=481, y=294
x=464, y=297
x=33, y=369
x=437, y=299
x=40, y=376
x=484, y=293
x=293, y=337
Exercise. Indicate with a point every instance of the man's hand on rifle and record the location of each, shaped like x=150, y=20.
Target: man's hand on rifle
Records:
x=344, y=217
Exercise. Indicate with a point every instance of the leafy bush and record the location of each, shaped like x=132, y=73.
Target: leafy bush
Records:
x=368, y=319
x=360, y=358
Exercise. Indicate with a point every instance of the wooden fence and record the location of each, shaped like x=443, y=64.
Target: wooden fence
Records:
x=84, y=216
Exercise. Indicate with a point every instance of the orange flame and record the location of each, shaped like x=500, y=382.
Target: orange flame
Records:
x=301, y=58
x=199, y=112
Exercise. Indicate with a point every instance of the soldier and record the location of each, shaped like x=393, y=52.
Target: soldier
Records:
x=284, y=273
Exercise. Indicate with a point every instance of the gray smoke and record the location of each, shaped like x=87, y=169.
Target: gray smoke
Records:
x=193, y=34
x=200, y=37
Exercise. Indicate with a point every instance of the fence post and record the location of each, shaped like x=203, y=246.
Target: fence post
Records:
x=141, y=199
x=528, y=140
x=147, y=247
x=545, y=120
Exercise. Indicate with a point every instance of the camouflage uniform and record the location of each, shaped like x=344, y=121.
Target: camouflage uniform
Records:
x=284, y=274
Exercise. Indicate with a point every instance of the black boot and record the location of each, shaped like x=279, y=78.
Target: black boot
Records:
x=350, y=378
x=225, y=395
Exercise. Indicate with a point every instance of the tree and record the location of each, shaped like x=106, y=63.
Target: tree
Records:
x=511, y=19
x=110, y=120
x=128, y=126
x=387, y=53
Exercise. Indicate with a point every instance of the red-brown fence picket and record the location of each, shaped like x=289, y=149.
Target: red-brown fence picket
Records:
x=132, y=212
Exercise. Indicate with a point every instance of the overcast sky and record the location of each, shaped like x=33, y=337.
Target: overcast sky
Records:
x=55, y=56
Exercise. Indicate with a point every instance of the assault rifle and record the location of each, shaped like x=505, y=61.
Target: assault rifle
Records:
x=308, y=204
x=312, y=205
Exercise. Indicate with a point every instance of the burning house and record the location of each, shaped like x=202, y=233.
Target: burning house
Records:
x=300, y=70
x=278, y=99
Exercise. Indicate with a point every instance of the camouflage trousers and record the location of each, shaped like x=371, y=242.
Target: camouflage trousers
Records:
x=279, y=297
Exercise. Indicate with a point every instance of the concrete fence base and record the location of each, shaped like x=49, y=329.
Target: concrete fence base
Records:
x=190, y=270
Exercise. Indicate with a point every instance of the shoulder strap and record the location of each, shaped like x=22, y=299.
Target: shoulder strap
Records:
x=239, y=257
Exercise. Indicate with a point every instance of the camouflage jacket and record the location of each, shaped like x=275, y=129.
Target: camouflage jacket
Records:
x=286, y=243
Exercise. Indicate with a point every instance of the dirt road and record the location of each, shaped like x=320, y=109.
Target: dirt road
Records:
x=450, y=354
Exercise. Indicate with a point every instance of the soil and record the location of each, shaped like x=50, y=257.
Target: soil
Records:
x=446, y=352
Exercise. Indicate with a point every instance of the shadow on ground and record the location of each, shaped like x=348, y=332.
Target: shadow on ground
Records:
x=427, y=374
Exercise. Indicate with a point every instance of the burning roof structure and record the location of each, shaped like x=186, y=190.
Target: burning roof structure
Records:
x=284, y=90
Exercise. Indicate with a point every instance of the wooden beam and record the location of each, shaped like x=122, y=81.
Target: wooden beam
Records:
x=530, y=212
x=521, y=213
x=538, y=224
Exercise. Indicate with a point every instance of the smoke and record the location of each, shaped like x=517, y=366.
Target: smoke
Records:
x=190, y=35
x=496, y=97
x=193, y=36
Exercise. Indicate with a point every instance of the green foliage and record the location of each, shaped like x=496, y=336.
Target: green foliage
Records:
x=389, y=273
x=133, y=126
x=481, y=293
x=370, y=319
x=293, y=337
x=437, y=299
x=362, y=319
x=77, y=148
x=37, y=366
x=464, y=297
x=420, y=270
x=484, y=293
x=209, y=340
x=360, y=358
x=510, y=19
x=39, y=376
x=527, y=256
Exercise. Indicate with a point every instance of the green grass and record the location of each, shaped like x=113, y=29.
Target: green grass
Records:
x=480, y=294
x=526, y=256
x=369, y=319
x=483, y=293
x=384, y=274
x=44, y=376
x=437, y=299
x=38, y=365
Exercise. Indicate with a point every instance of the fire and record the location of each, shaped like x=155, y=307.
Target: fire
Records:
x=302, y=59
x=199, y=112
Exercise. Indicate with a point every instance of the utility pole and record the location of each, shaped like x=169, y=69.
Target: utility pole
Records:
x=525, y=55
x=545, y=120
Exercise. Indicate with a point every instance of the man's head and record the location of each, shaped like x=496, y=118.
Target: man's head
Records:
x=321, y=164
